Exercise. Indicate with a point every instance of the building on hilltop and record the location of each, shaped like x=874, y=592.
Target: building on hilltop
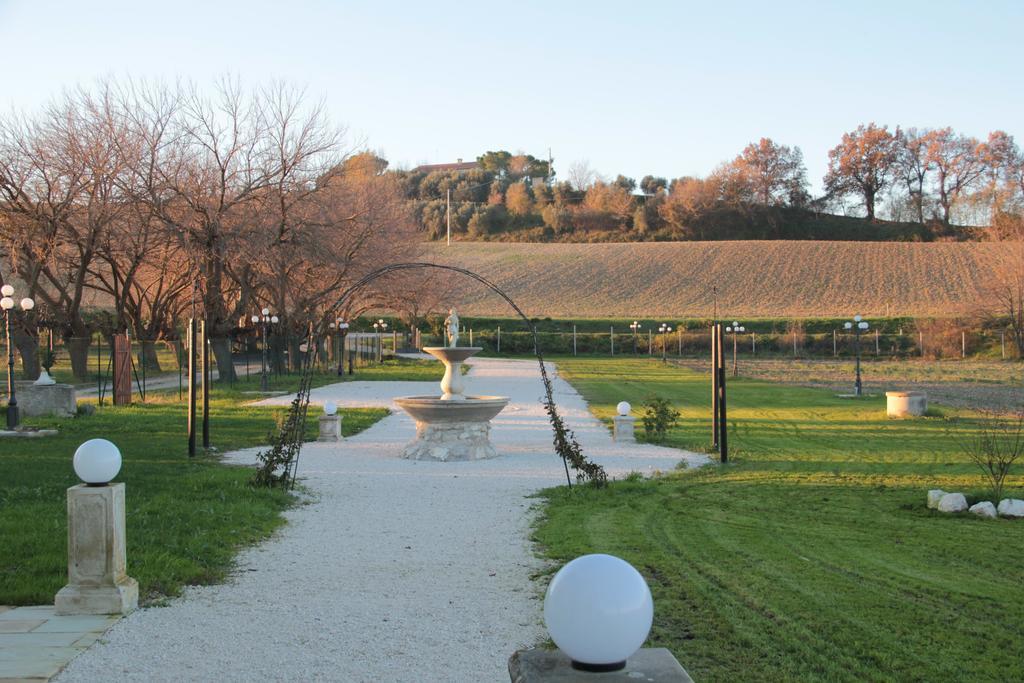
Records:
x=459, y=166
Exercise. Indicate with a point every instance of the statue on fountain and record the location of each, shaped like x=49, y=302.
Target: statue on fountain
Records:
x=451, y=324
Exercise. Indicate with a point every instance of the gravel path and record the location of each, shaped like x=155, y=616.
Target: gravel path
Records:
x=396, y=571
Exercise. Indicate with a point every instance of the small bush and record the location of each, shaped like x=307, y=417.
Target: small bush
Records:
x=659, y=417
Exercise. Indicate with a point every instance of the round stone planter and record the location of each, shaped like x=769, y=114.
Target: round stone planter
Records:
x=906, y=403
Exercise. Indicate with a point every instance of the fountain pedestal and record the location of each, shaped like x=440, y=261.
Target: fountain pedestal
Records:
x=451, y=426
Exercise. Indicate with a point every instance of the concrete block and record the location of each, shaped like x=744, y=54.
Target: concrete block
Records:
x=38, y=400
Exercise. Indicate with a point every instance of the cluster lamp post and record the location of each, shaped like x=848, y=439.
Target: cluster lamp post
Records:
x=664, y=329
x=735, y=329
x=264, y=320
x=858, y=325
x=379, y=327
x=342, y=328
x=635, y=326
x=7, y=304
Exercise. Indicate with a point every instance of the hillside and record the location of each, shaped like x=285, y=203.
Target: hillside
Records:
x=753, y=278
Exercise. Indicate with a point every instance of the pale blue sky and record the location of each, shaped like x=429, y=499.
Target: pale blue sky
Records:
x=669, y=88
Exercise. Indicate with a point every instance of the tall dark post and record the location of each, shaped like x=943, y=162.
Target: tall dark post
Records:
x=205, y=365
x=714, y=385
x=191, y=387
x=263, y=360
x=723, y=424
x=856, y=340
x=12, y=399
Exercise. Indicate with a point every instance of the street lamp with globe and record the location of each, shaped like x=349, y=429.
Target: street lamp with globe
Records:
x=264, y=320
x=735, y=329
x=858, y=325
x=635, y=326
x=7, y=304
x=342, y=328
x=664, y=329
x=379, y=327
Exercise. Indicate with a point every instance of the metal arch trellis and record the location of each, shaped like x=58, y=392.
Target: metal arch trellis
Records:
x=284, y=454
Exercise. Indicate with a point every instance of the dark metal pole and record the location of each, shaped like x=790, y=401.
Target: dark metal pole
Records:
x=856, y=338
x=714, y=385
x=191, y=387
x=723, y=424
x=735, y=367
x=12, y=399
x=205, y=362
x=263, y=371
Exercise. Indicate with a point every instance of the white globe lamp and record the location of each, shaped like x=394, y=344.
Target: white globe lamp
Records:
x=27, y=304
x=7, y=303
x=274, y=319
x=7, y=290
x=97, y=462
x=330, y=408
x=598, y=610
x=623, y=408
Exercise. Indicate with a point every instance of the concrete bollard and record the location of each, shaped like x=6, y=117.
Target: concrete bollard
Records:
x=906, y=403
x=623, y=429
x=97, y=579
x=330, y=428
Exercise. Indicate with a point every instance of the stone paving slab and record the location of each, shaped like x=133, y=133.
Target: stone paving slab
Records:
x=35, y=643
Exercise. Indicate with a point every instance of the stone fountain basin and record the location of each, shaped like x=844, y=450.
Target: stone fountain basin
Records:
x=431, y=409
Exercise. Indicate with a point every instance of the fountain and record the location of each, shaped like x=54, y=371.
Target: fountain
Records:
x=451, y=426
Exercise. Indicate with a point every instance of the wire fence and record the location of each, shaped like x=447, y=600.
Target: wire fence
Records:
x=88, y=362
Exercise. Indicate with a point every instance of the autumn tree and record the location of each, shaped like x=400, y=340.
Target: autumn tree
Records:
x=517, y=199
x=864, y=163
x=653, y=184
x=770, y=174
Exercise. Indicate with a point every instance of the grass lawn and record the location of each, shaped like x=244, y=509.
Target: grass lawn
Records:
x=812, y=555
x=186, y=519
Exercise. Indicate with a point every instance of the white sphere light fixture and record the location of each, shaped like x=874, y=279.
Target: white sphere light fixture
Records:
x=623, y=408
x=255, y=319
x=598, y=610
x=274, y=319
x=7, y=290
x=27, y=304
x=97, y=462
x=265, y=311
x=7, y=303
x=330, y=408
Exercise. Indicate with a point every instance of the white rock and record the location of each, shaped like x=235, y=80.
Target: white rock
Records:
x=934, y=496
x=952, y=502
x=983, y=509
x=1011, y=507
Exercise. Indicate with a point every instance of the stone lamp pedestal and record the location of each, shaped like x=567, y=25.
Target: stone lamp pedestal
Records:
x=906, y=403
x=656, y=665
x=623, y=429
x=330, y=428
x=97, y=578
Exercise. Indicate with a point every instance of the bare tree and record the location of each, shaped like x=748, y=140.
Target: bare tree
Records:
x=581, y=176
x=959, y=162
x=914, y=166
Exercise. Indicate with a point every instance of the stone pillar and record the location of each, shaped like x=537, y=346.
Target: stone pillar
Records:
x=330, y=427
x=623, y=428
x=97, y=580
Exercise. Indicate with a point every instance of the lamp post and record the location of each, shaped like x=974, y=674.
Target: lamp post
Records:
x=858, y=325
x=735, y=329
x=379, y=328
x=264, y=320
x=7, y=304
x=342, y=328
x=664, y=329
x=635, y=326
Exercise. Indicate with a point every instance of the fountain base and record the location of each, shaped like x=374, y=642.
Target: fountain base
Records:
x=451, y=442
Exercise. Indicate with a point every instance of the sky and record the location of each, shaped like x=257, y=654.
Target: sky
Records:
x=662, y=88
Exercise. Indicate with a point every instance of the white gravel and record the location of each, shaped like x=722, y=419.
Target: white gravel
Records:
x=397, y=570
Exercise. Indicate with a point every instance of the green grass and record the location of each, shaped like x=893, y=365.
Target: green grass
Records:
x=811, y=556
x=186, y=519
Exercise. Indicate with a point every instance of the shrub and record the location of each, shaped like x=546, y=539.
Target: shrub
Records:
x=659, y=417
x=997, y=444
